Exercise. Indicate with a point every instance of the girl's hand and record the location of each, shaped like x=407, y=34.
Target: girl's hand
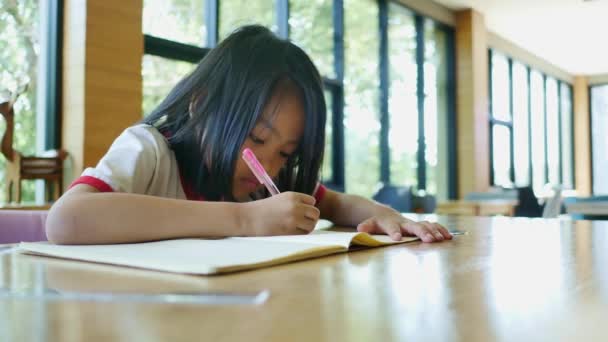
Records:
x=288, y=213
x=395, y=225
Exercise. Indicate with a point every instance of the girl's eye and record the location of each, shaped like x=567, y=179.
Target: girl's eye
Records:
x=285, y=155
x=255, y=139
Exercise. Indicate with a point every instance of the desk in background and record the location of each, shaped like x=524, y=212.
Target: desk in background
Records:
x=13, y=206
x=508, y=279
x=588, y=208
x=477, y=208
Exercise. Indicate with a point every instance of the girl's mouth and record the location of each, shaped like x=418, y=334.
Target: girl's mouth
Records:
x=250, y=183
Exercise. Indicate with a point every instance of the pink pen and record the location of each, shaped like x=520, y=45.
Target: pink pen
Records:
x=259, y=172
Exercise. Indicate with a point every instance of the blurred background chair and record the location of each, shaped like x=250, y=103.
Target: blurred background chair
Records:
x=553, y=206
x=424, y=203
x=402, y=199
x=527, y=205
x=397, y=197
x=48, y=166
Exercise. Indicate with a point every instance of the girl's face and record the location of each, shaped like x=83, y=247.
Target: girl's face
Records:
x=274, y=138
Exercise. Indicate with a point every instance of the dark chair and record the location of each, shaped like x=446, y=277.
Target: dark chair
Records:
x=424, y=204
x=527, y=205
x=397, y=197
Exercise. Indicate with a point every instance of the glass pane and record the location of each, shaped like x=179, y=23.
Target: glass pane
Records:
x=500, y=87
x=521, y=141
x=402, y=102
x=566, y=111
x=538, y=132
x=311, y=27
x=501, y=155
x=236, y=13
x=361, y=82
x=552, y=131
x=159, y=76
x=599, y=138
x=19, y=52
x=177, y=20
x=436, y=110
x=327, y=174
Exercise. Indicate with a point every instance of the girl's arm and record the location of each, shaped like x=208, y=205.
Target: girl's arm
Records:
x=373, y=217
x=83, y=215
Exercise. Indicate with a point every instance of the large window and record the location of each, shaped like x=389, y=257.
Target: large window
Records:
x=180, y=21
x=439, y=112
x=311, y=26
x=521, y=138
x=501, y=120
x=599, y=138
x=531, y=127
x=29, y=60
x=362, y=96
x=236, y=13
x=403, y=99
x=386, y=71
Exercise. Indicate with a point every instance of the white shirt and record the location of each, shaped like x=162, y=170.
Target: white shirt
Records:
x=140, y=162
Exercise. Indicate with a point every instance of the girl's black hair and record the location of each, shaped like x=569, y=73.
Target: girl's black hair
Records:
x=208, y=115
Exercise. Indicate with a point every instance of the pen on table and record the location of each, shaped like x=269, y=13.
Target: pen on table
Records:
x=259, y=172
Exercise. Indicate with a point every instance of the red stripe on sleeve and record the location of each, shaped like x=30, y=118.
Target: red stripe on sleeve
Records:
x=320, y=193
x=94, y=182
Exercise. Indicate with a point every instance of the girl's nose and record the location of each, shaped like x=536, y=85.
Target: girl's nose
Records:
x=269, y=164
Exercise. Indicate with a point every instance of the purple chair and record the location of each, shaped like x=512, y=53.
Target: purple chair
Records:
x=22, y=225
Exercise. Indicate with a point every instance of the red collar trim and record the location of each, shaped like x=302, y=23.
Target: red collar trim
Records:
x=191, y=195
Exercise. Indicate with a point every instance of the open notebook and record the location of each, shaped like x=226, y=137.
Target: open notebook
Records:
x=202, y=256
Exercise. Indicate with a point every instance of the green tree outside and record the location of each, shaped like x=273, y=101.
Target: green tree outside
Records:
x=19, y=50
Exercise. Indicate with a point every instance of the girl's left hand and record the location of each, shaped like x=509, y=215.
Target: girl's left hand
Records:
x=395, y=225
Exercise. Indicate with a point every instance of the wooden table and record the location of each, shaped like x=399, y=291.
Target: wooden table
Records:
x=477, y=208
x=508, y=279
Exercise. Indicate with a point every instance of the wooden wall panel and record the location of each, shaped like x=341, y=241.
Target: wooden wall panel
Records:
x=472, y=102
x=582, y=137
x=102, y=91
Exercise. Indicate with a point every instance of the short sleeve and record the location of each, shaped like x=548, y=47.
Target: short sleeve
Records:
x=130, y=163
x=319, y=193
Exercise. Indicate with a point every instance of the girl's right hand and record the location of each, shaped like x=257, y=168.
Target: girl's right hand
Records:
x=288, y=213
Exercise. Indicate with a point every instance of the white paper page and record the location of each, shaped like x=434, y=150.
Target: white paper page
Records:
x=195, y=256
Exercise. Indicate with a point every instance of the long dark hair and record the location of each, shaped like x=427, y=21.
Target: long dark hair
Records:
x=208, y=115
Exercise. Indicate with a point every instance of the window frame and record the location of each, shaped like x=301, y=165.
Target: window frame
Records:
x=421, y=172
x=53, y=69
x=492, y=121
x=591, y=142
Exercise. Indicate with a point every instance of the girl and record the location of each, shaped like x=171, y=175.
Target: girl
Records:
x=179, y=172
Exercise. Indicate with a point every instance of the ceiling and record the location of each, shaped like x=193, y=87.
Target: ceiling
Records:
x=570, y=34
